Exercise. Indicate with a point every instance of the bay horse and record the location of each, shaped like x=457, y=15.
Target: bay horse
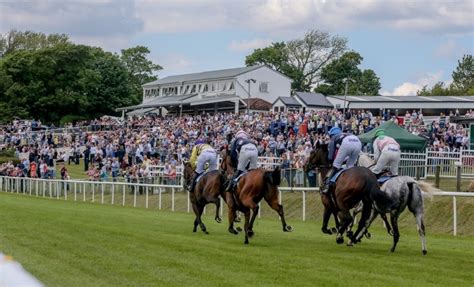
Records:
x=253, y=186
x=396, y=194
x=208, y=189
x=356, y=184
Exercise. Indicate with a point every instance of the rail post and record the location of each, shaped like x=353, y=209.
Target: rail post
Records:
x=172, y=199
x=304, y=205
x=418, y=172
x=438, y=170
x=458, y=176
x=455, y=219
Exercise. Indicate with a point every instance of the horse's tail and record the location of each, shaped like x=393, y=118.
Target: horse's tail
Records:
x=427, y=188
x=380, y=198
x=273, y=177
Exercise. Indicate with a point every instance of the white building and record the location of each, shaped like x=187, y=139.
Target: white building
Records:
x=221, y=90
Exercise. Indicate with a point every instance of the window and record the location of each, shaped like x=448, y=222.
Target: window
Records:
x=263, y=88
x=275, y=109
x=206, y=88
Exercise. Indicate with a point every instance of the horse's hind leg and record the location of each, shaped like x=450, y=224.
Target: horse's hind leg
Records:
x=201, y=224
x=252, y=220
x=218, y=207
x=396, y=234
x=364, y=222
x=246, y=226
x=346, y=219
x=273, y=203
x=421, y=231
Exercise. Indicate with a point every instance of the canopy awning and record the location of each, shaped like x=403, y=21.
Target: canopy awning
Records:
x=407, y=140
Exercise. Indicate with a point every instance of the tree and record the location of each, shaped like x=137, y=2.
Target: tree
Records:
x=462, y=85
x=29, y=40
x=63, y=81
x=300, y=59
x=140, y=69
x=363, y=82
x=463, y=76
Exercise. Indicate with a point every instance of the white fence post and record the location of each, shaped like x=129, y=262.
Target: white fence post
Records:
x=172, y=199
x=455, y=219
x=304, y=205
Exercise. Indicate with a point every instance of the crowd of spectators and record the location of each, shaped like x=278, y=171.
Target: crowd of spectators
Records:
x=112, y=148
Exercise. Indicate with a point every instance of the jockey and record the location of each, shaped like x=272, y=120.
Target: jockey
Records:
x=342, y=146
x=202, y=153
x=243, y=152
x=386, y=151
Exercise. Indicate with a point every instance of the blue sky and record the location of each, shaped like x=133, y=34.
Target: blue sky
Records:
x=407, y=43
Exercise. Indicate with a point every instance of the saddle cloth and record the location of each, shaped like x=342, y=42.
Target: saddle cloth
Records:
x=335, y=177
x=384, y=178
x=238, y=178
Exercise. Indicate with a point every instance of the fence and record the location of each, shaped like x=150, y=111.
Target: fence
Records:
x=116, y=192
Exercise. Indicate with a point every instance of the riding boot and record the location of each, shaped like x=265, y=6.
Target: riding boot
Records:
x=233, y=181
x=331, y=173
x=193, y=184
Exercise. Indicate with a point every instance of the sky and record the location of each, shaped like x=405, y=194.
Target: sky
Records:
x=408, y=44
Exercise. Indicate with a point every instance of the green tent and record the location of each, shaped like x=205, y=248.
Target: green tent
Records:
x=407, y=140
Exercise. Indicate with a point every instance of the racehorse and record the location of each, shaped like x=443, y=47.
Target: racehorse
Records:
x=396, y=194
x=253, y=186
x=210, y=186
x=354, y=185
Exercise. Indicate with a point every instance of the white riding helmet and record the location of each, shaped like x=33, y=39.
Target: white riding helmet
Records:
x=241, y=134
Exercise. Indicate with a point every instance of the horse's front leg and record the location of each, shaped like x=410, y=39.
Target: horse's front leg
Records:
x=346, y=219
x=326, y=215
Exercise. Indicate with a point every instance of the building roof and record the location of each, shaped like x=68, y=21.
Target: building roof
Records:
x=313, y=99
x=209, y=75
x=431, y=99
x=288, y=101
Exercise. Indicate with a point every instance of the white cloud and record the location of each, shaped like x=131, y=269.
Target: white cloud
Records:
x=410, y=88
x=247, y=45
x=174, y=64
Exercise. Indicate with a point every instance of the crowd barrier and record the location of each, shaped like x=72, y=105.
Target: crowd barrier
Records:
x=117, y=193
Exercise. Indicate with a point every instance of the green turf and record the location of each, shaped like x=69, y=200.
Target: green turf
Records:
x=83, y=244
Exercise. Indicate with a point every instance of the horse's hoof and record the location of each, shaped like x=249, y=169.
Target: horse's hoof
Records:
x=250, y=233
x=350, y=244
x=246, y=241
x=339, y=240
x=239, y=229
x=233, y=231
x=368, y=235
x=237, y=219
x=205, y=232
x=288, y=228
x=334, y=230
x=392, y=250
x=425, y=252
x=194, y=230
x=327, y=231
x=218, y=220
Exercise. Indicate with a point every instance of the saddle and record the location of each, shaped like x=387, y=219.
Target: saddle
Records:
x=334, y=178
x=381, y=180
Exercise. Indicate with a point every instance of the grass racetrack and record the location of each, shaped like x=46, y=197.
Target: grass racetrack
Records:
x=65, y=243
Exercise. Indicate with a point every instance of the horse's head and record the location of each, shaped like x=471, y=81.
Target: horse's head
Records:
x=365, y=160
x=318, y=157
x=226, y=165
x=188, y=172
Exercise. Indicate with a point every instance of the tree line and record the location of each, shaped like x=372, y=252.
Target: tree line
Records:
x=50, y=78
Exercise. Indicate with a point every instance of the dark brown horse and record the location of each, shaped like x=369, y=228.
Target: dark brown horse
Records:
x=353, y=186
x=254, y=186
x=211, y=185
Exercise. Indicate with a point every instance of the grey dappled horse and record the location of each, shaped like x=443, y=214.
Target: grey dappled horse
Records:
x=395, y=195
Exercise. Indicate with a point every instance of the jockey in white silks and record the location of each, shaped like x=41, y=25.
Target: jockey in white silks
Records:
x=386, y=152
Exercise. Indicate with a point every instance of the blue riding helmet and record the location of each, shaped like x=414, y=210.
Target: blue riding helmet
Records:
x=334, y=131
